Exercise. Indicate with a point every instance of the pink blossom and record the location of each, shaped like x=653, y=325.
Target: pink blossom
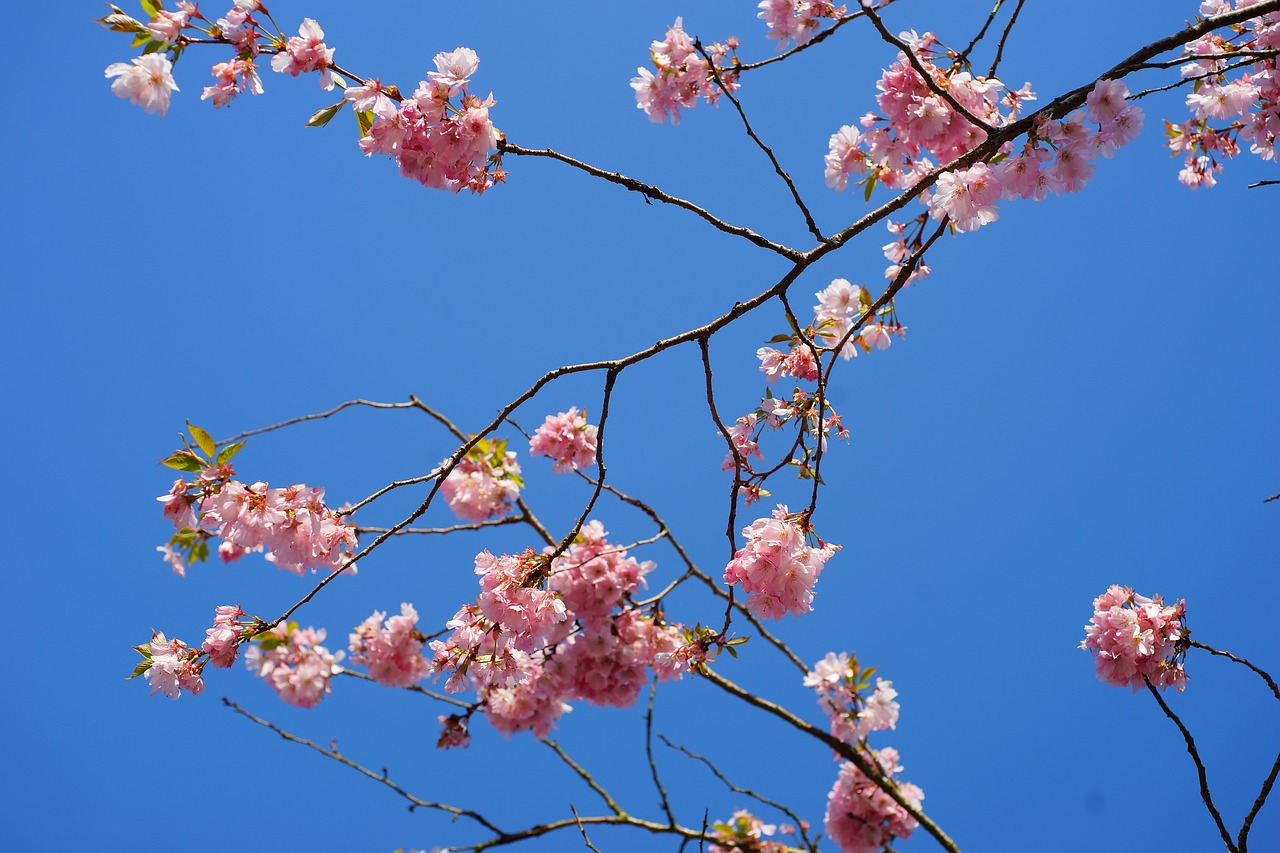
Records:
x=862, y=818
x=392, y=650
x=220, y=640
x=306, y=52
x=743, y=833
x=166, y=26
x=294, y=663
x=147, y=81
x=172, y=667
x=968, y=197
x=1136, y=640
x=174, y=558
x=777, y=568
x=485, y=484
x=592, y=577
x=568, y=439
x=682, y=76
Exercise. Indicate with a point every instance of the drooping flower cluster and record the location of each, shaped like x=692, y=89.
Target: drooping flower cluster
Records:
x=778, y=567
x=1136, y=639
x=392, y=650
x=1249, y=104
x=862, y=818
x=170, y=666
x=744, y=833
x=436, y=142
x=485, y=484
x=568, y=439
x=306, y=52
x=292, y=525
x=513, y=614
x=546, y=632
x=795, y=20
x=294, y=663
x=683, y=75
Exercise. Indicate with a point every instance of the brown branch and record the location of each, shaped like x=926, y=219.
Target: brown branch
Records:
x=585, y=838
x=1243, y=838
x=316, y=416
x=585, y=776
x=1004, y=37
x=800, y=824
x=412, y=688
x=964, y=54
x=648, y=749
x=816, y=40
x=454, y=528
x=1200, y=771
x=1275, y=691
x=651, y=192
x=333, y=753
x=768, y=152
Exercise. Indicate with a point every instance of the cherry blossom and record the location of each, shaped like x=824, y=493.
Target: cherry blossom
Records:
x=568, y=439
x=172, y=667
x=306, y=52
x=777, y=568
x=1136, y=639
x=682, y=76
x=146, y=81
x=221, y=640
x=294, y=663
x=485, y=484
x=391, y=649
x=862, y=818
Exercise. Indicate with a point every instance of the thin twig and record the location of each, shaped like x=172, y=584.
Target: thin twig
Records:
x=1243, y=839
x=585, y=838
x=1004, y=37
x=964, y=54
x=316, y=416
x=648, y=749
x=586, y=777
x=412, y=688
x=816, y=40
x=800, y=824
x=1275, y=691
x=1200, y=771
x=650, y=191
x=414, y=802
x=768, y=152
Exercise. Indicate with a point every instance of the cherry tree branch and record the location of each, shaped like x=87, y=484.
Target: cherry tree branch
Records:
x=844, y=750
x=1275, y=691
x=1200, y=771
x=1004, y=37
x=816, y=40
x=412, y=688
x=652, y=192
x=317, y=416
x=383, y=778
x=768, y=152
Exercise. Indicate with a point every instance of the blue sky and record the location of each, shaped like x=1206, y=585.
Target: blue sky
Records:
x=1082, y=399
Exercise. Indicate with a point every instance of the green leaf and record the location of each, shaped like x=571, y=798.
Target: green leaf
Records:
x=229, y=451
x=870, y=187
x=737, y=641
x=142, y=667
x=732, y=652
x=365, y=120
x=200, y=553
x=777, y=339
x=338, y=81
x=153, y=46
x=119, y=22
x=183, y=460
x=141, y=38
x=143, y=649
x=203, y=439
x=152, y=7
x=322, y=117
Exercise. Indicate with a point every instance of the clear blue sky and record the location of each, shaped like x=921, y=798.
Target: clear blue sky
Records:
x=1086, y=396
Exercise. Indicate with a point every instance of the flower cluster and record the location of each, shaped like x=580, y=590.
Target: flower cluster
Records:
x=170, y=666
x=513, y=613
x=486, y=482
x=795, y=20
x=778, y=567
x=1249, y=103
x=294, y=663
x=292, y=525
x=862, y=818
x=392, y=650
x=436, y=142
x=592, y=576
x=1136, y=639
x=683, y=75
x=441, y=136
x=745, y=833
x=842, y=686
x=222, y=640
x=568, y=439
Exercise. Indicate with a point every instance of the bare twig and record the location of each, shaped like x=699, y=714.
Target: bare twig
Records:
x=648, y=749
x=1275, y=691
x=585, y=838
x=586, y=777
x=1004, y=37
x=316, y=416
x=1200, y=771
x=816, y=40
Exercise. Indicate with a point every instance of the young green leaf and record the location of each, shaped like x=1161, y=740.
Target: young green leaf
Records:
x=183, y=460
x=322, y=117
x=142, y=667
x=203, y=439
x=229, y=451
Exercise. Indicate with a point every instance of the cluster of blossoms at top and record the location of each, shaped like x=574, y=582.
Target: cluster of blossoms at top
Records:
x=683, y=75
x=861, y=817
x=746, y=833
x=292, y=525
x=294, y=663
x=391, y=649
x=546, y=632
x=1136, y=639
x=795, y=20
x=440, y=136
x=485, y=484
x=917, y=122
x=1249, y=103
x=841, y=686
x=435, y=141
x=568, y=439
x=778, y=568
